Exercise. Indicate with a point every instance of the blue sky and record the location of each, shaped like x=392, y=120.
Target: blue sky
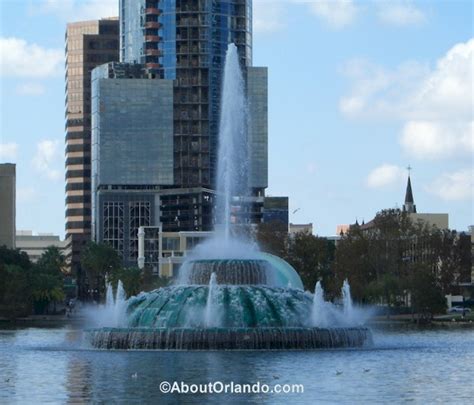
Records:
x=358, y=90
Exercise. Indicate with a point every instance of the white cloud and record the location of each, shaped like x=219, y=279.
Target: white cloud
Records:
x=400, y=13
x=455, y=186
x=78, y=10
x=434, y=104
x=268, y=16
x=447, y=90
x=434, y=140
x=30, y=89
x=378, y=92
x=19, y=58
x=25, y=195
x=336, y=13
x=413, y=90
x=385, y=175
x=8, y=151
x=47, y=158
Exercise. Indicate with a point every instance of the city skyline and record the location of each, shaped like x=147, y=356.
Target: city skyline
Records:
x=354, y=95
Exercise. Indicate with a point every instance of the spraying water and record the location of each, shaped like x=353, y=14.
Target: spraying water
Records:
x=109, y=296
x=347, y=300
x=113, y=312
x=319, y=312
x=232, y=161
x=325, y=314
x=120, y=304
x=210, y=318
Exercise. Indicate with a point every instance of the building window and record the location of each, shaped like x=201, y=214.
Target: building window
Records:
x=113, y=225
x=170, y=244
x=193, y=241
x=140, y=215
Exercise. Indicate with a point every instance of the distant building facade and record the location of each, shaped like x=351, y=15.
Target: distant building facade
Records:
x=186, y=42
x=7, y=204
x=88, y=44
x=156, y=120
x=301, y=228
x=441, y=221
x=132, y=148
x=35, y=245
x=342, y=229
x=165, y=252
x=275, y=210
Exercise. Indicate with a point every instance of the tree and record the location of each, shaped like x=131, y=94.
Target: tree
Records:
x=427, y=297
x=99, y=260
x=388, y=290
x=131, y=279
x=149, y=281
x=353, y=262
x=273, y=238
x=312, y=257
x=52, y=260
x=15, y=283
x=47, y=279
x=15, y=291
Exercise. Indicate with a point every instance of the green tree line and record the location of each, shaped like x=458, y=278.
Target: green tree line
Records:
x=27, y=287
x=102, y=264
x=391, y=261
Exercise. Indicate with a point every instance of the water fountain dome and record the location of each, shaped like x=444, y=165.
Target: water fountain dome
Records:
x=259, y=268
x=233, y=316
x=231, y=295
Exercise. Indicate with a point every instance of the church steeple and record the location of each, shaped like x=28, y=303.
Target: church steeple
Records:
x=409, y=205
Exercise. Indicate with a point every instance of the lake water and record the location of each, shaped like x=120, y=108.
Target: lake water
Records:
x=54, y=365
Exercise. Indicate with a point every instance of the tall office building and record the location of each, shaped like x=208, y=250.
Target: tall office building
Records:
x=132, y=153
x=155, y=152
x=88, y=44
x=186, y=41
x=7, y=204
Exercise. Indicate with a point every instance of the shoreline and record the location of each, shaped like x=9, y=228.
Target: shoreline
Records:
x=376, y=323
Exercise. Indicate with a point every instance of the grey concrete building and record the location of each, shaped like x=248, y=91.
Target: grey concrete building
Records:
x=7, y=204
x=132, y=152
x=257, y=97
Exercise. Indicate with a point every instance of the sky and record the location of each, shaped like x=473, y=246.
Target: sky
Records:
x=358, y=91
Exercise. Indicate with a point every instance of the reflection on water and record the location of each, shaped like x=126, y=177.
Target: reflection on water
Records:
x=55, y=365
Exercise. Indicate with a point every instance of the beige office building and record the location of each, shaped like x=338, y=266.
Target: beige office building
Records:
x=88, y=44
x=301, y=228
x=35, y=245
x=7, y=204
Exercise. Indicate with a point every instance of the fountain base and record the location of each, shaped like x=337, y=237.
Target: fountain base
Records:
x=269, y=338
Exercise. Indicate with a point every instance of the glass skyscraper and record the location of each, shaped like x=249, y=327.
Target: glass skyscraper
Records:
x=182, y=43
x=186, y=41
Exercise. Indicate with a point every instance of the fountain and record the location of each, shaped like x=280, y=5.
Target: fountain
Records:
x=113, y=312
x=211, y=318
x=230, y=295
x=319, y=312
x=347, y=300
